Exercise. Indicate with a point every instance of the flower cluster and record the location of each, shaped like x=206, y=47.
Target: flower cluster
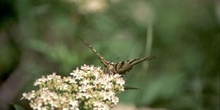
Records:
x=87, y=88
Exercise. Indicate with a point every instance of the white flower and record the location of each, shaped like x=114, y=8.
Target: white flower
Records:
x=82, y=89
x=115, y=100
x=108, y=86
x=73, y=103
x=87, y=85
x=120, y=81
x=97, y=104
x=69, y=80
x=63, y=87
x=96, y=74
x=29, y=95
x=108, y=95
x=40, y=81
x=100, y=106
x=85, y=82
x=87, y=95
x=105, y=107
x=65, y=109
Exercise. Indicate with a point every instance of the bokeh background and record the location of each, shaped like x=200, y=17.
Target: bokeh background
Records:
x=38, y=37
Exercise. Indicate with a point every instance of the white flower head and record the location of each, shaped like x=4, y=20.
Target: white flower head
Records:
x=87, y=86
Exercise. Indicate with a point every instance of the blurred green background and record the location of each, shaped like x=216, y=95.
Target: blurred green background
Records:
x=38, y=37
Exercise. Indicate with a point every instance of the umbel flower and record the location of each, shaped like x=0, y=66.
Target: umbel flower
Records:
x=88, y=88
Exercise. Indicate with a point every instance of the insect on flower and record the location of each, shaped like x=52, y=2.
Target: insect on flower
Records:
x=121, y=67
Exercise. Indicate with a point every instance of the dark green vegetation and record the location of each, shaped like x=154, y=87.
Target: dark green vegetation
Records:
x=39, y=37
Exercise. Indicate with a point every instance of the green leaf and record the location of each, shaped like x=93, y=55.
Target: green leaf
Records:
x=18, y=107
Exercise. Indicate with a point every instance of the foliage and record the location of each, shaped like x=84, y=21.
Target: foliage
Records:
x=42, y=36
